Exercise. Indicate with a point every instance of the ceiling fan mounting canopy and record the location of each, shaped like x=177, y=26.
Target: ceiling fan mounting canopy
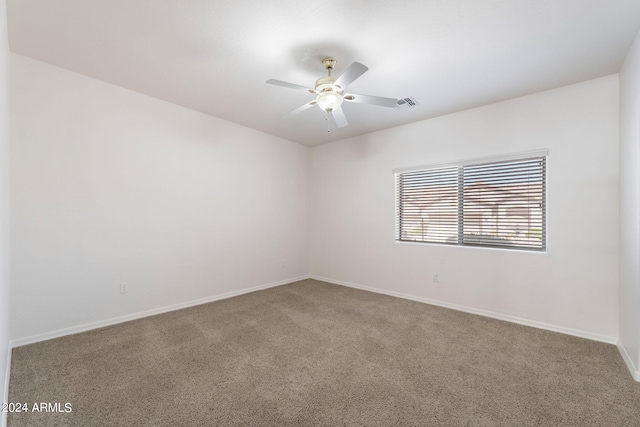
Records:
x=329, y=91
x=329, y=63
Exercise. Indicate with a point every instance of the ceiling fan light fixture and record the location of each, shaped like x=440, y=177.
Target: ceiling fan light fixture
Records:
x=329, y=100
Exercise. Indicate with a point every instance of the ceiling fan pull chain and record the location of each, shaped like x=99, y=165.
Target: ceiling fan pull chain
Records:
x=328, y=123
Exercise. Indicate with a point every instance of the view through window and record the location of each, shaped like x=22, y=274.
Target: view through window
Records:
x=492, y=203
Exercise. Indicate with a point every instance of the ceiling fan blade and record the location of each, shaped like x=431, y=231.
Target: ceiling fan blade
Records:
x=352, y=72
x=339, y=118
x=371, y=100
x=299, y=109
x=290, y=85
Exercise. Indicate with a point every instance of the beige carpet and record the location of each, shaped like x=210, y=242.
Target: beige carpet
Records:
x=316, y=354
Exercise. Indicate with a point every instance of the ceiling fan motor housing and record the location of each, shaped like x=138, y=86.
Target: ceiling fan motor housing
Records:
x=324, y=84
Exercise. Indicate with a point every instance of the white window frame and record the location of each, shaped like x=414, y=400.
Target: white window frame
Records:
x=501, y=241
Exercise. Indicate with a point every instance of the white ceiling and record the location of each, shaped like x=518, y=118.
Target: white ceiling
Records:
x=214, y=56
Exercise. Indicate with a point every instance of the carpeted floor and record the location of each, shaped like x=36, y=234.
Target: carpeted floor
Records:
x=316, y=354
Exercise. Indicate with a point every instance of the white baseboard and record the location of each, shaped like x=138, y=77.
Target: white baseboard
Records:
x=635, y=372
x=5, y=393
x=115, y=320
x=486, y=313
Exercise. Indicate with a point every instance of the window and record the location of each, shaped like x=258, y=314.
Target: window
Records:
x=491, y=203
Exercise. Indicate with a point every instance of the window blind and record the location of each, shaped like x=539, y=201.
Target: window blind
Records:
x=492, y=203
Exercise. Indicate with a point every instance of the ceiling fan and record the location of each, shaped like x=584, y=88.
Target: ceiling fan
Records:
x=330, y=94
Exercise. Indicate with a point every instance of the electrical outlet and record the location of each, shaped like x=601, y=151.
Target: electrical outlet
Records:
x=124, y=287
x=436, y=278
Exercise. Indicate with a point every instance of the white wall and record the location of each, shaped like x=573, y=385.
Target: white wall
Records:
x=630, y=207
x=573, y=287
x=4, y=206
x=111, y=186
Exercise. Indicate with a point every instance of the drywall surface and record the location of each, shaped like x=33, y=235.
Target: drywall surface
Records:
x=630, y=204
x=110, y=186
x=5, y=305
x=572, y=286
